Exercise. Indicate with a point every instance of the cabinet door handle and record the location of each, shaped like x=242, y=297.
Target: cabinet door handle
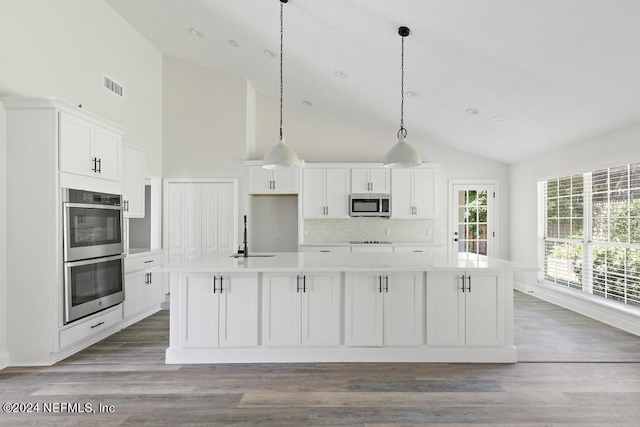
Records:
x=215, y=278
x=304, y=283
x=99, y=165
x=297, y=283
x=147, y=262
x=380, y=284
x=469, y=288
x=94, y=168
x=386, y=284
x=150, y=278
x=221, y=278
x=97, y=324
x=463, y=282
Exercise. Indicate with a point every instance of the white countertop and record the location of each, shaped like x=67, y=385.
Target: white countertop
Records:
x=426, y=244
x=343, y=262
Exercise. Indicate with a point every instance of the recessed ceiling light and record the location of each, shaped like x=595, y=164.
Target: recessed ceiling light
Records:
x=234, y=43
x=195, y=32
x=341, y=74
x=307, y=103
x=472, y=111
x=498, y=118
x=269, y=53
x=412, y=94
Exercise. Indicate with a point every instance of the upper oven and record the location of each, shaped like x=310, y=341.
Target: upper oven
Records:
x=92, y=224
x=370, y=204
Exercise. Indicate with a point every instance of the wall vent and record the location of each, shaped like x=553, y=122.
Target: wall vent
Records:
x=114, y=87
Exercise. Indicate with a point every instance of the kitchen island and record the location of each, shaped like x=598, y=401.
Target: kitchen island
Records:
x=342, y=307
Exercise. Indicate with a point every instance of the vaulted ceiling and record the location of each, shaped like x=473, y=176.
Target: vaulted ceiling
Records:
x=504, y=79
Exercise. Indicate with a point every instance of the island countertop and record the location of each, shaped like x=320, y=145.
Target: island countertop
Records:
x=345, y=262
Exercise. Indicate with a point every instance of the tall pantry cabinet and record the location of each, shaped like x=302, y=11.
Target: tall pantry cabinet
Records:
x=201, y=218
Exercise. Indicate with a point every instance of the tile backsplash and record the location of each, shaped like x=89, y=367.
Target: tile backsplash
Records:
x=345, y=230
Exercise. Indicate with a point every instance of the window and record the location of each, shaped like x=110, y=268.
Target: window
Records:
x=589, y=230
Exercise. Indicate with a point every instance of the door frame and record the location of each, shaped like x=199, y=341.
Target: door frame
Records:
x=496, y=212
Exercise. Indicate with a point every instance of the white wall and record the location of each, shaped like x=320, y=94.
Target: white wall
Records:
x=63, y=48
x=4, y=357
x=318, y=136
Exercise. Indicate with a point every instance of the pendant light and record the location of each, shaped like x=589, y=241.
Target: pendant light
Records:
x=402, y=155
x=280, y=156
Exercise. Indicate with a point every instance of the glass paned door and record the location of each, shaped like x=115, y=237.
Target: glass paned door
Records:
x=472, y=222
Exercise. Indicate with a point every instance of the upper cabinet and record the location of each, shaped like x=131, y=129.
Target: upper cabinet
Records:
x=89, y=149
x=370, y=180
x=325, y=192
x=271, y=181
x=412, y=193
x=133, y=162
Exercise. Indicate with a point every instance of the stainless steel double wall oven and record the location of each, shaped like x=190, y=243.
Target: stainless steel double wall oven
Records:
x=93, y=252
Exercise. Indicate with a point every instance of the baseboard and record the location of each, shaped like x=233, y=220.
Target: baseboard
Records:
x=603, y=311
x=4, y=360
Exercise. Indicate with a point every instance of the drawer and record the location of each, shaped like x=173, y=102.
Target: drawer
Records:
x=92, y=326
x=131, y=265
x=325, y=249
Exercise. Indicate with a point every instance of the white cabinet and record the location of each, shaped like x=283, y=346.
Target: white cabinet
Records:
x=384, y=309
x=218, y=310
x=143, y=286
x=465, y=309
x=370, y=180
x=201, y=218
x=412, y=193
x=271, y=181
x=301, y=309
x=133, y=167
x=325, y=192
x=371, y=248
x=305, y=248
x=419, y=249
x=88, y=149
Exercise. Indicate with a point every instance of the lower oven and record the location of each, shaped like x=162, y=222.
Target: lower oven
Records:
x=92, y=285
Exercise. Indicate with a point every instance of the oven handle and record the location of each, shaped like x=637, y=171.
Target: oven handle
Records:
x=93, y=261
x=92, y=206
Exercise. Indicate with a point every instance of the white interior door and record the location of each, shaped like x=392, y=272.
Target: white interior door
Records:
x=472, y=226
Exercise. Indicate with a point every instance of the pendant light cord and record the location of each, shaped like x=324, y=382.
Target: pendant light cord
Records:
x=402, y=130
x=281, y=56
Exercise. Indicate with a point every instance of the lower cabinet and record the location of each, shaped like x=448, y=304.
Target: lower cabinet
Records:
x=384, y=309
x=218, y=310
x=465, y=309
x=301, y=309
x=143, y=286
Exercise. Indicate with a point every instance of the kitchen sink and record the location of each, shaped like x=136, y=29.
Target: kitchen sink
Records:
x=252, y=255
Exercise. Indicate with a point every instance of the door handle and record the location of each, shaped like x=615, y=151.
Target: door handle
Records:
x=469, y=288
x=380, y=284
x=99, y=165
x=215, y=278
x=297, y=283
x=464, y=284
x=304, y=283
x=386, y=283
x=221, y=283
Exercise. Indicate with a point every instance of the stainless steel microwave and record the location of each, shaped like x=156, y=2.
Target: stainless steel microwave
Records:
x=370, y=204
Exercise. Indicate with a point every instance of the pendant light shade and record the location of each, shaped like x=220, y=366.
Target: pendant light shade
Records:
x=280, y=156
x=402, y=155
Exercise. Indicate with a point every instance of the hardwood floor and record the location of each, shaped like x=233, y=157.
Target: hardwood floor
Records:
x=573, y=372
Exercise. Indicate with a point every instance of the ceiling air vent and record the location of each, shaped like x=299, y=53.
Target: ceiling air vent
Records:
x=114, y=87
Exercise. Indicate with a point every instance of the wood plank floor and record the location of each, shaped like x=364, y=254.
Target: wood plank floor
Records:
x=573, y=372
